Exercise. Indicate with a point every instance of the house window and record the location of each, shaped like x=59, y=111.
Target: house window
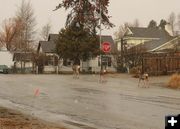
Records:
x=49, y=60
x=66, y=62
x=106, y=61
x=99, y=61
x=109, y=61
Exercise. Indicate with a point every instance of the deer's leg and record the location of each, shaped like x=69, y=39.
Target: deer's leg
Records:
x=77, y=74
x=139, y=82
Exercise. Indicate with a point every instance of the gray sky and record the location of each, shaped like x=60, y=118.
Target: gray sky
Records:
x=120, y=10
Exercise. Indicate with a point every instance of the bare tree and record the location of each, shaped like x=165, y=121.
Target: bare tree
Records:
x=8, y=33
x=136, y=23
x=172, y=20
x=45, y=31
x=178, y=21
x=25, y=37
x=25, y=15
x=121, y=30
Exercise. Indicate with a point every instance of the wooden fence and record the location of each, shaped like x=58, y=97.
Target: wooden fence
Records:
x=161, y=64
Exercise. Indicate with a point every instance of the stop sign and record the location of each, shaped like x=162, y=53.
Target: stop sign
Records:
x=106, y=47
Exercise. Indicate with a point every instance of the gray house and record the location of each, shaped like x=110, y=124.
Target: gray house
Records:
x=49, y=58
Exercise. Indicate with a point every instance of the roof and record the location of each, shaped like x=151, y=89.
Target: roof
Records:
x=141, y=32
x=47, y=46
x=158, y=37
x=24, y=56
x=154, y=44
x=150, y=45
x=53, y=37
x=50, y=46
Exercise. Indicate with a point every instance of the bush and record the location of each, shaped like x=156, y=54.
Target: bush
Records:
x=134, y=70
x=174, y=81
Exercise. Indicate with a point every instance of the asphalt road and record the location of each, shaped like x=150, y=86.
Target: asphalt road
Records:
x=84, y=103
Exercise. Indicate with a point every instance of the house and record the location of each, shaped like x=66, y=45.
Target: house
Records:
x=52, y=62
x=155, y=49
x=6, y=57
x=108, y=60
x=24, y=62
x=154, y=37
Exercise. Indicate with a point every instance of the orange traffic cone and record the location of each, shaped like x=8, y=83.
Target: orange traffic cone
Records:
x=36, y=92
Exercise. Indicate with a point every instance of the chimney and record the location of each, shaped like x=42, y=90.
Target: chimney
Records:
x=168, y=28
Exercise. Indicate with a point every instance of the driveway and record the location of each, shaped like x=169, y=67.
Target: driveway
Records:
x=84, y=103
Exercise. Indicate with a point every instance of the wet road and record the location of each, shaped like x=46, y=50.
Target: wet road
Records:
x=85, y=103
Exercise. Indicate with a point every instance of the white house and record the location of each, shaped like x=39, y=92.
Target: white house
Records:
x=53, y=63
x=108, y=60
x=6, y=57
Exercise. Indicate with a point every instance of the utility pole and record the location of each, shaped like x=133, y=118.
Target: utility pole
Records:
x=100, y=38
x=122, y=52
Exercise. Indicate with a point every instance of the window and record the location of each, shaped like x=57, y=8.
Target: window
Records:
x=106, y=61
x=66, y=62
x=49, y=60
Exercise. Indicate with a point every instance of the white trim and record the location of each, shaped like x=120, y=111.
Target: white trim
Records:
x=128, y=30
x=126, y=37
x=164, y=44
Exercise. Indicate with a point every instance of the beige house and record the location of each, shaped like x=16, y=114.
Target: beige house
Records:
x=139, y=35
x=150, y=48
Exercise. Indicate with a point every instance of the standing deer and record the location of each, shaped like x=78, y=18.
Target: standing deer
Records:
x=143, y=76
x=76, y=68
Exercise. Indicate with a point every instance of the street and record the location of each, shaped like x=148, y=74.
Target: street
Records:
x=85, y=103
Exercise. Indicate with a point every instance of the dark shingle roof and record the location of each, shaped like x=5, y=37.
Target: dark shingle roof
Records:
x=149, y=32
x=150, y=45
x=22, y=56
x=47, y=46
x=158, y=36
x=154, y=44
x=53, y=37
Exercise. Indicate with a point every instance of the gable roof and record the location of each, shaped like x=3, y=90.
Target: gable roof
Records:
x=150, y=45
x=172, y=45
x=107, y=38
x=53, y=37
x=47, y=46
x=157, y=37
x=156, y=45
x=22, y=56
x=50, y=45
x=141, y=32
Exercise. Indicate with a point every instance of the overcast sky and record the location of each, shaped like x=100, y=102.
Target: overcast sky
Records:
x=120, y=10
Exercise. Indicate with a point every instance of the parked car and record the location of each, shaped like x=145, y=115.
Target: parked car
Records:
x=4, y=69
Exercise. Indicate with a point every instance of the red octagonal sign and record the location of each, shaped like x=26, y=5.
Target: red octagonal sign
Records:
x=106, y=46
